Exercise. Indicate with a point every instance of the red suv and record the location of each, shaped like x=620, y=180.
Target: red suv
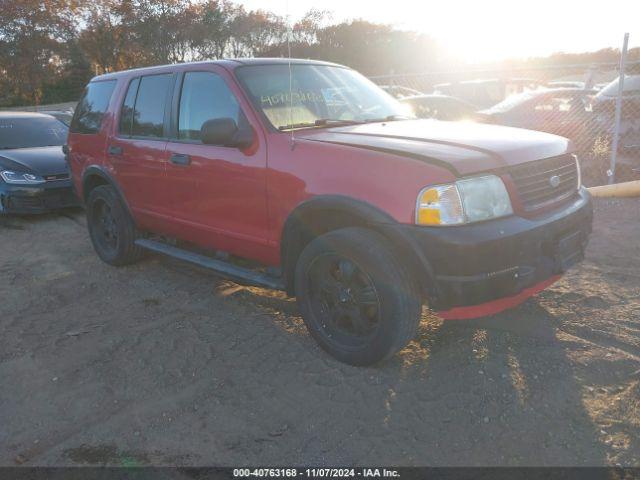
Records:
x=321, y=180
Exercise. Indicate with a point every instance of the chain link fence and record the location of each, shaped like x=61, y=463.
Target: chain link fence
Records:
x=583, y=102
x=580, y=102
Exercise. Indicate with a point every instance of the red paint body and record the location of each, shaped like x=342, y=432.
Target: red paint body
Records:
x=239, y=200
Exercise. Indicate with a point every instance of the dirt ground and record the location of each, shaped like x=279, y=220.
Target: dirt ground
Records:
x=162, y=363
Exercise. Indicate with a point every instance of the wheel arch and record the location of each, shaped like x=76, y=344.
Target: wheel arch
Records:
x=95, y=176
x=325, y=213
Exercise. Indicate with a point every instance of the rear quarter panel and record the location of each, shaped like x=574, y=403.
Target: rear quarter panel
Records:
x=89, y=149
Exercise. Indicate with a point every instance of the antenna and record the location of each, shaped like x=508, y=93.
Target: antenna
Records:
x=289, y=33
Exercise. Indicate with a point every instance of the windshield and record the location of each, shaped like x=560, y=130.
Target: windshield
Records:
x=29, y=132
x=320, y=96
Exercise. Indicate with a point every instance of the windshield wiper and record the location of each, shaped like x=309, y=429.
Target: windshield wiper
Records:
x=388, y=118
x=321, y=122
x=334, y=122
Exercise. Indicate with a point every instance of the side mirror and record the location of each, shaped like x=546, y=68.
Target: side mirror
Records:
x=225, y=132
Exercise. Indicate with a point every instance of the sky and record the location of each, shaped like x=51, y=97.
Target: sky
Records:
x=488, y=30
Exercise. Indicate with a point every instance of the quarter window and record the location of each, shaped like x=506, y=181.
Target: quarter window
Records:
x=126, y=114
x=205, y=96
x=148, y=115
x=92, y=106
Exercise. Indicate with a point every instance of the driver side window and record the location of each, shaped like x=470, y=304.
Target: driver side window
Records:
x=205, y=96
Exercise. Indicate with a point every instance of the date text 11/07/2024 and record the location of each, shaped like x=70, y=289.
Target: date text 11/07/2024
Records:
x=316, y=472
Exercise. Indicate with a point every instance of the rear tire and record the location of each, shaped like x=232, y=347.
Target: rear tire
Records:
x=357, y=299
x=111, y=228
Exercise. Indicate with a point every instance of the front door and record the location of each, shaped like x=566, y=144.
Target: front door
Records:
x=218, y=192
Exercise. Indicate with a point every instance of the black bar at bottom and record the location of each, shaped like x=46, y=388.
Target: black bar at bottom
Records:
x=405, y=473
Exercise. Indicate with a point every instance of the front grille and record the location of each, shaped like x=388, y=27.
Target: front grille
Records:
x=544, y=182
x=58, y=198
x=20, y=203
x=54, y=178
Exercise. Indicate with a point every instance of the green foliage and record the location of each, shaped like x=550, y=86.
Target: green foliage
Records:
x=34, y=36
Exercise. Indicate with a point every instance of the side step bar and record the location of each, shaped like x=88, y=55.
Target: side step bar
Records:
x=225, y=269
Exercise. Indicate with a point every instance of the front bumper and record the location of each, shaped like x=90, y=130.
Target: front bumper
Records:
x=27, y=199
x=501, y=259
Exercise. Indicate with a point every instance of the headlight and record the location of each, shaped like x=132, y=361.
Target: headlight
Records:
x=21, y=177
x=468, y=200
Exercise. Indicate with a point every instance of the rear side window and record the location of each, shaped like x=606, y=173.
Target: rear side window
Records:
x=92, y=106
x=148, y=116
x=205, y=96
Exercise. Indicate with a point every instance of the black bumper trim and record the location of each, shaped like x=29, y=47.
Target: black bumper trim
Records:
x=24, y=199
x=478, y=263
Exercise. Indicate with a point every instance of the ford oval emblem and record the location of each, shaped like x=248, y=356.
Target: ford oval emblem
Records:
x=554, y=181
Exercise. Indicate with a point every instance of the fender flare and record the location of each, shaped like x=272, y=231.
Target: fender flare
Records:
x=368, y=216
x=97, y=170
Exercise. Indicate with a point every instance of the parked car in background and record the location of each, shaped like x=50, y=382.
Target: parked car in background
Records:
x=604, y=104
x=34, y=176
x=440, y=107
x=62, y=115
x=561, y=111
x=485, y=93
x=630, y=91
x=400, y=92
x=314, y=175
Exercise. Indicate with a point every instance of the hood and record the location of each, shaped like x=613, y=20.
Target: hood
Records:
x=40, y=160
x=463, y=147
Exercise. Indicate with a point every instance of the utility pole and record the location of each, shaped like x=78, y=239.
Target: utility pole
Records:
x=617, y=119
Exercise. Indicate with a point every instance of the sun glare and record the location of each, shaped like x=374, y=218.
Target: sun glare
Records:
x=491, y=30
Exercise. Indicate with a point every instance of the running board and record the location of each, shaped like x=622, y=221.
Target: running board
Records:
x=225, y=269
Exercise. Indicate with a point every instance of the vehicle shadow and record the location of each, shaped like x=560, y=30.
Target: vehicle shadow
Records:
x=495, y=391
x=498, y=391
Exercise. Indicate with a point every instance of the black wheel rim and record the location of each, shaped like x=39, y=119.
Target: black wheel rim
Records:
x=343, y=299
x=104, y=225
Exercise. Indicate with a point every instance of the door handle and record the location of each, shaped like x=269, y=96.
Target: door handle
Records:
x=180, y=159
x=114, y=150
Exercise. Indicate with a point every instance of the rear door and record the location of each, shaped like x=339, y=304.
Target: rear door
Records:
x=219, y=192
x=137, y=152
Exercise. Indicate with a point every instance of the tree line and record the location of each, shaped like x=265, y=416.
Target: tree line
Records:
x=49, y=49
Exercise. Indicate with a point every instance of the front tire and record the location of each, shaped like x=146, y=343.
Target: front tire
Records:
x=357, y=299
x=112, y=230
